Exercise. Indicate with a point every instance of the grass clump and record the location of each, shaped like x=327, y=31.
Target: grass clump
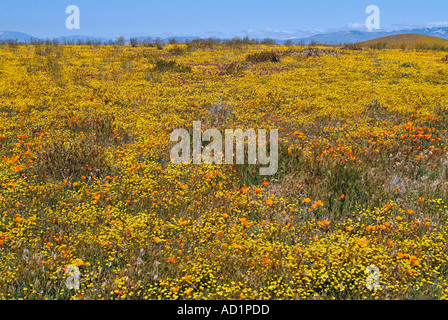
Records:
x=234, y=68
x=170, y=66
x=101, y=129
x=75, y=159
x=176, y=51
x=263, y=56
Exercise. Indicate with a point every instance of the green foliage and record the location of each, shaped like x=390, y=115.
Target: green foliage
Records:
x=162, y=65
x=263, y=56
x=61, y=159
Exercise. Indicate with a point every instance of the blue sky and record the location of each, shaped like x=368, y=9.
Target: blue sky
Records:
x=257, y=18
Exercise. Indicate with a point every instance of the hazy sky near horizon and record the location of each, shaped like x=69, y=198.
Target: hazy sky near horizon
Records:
x=260, y=18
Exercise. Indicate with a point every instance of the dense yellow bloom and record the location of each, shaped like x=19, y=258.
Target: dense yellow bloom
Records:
x=86, y=177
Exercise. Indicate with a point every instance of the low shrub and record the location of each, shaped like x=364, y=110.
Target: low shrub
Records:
x=167, y=66
x=263, y=56
x=60, y=159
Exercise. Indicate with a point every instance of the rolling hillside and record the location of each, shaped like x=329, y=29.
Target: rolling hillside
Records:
x=407, y=41
x=14, y=35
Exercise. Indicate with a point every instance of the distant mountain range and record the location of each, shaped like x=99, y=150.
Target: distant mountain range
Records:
x=341, y=37
x=344, y=37
x=26, y=38
x=23, y=37
x=13, y=35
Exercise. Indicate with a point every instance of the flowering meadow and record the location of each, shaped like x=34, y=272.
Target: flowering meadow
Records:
x=86, y=177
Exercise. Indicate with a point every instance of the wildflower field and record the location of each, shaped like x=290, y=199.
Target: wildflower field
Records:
x=86, y=177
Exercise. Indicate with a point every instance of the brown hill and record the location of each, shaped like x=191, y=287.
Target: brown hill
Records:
x=407, y=41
